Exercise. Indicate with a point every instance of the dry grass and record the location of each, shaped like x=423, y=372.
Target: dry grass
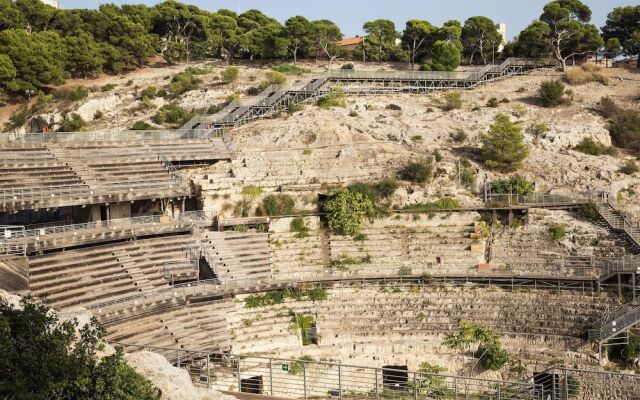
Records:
x=586, y=73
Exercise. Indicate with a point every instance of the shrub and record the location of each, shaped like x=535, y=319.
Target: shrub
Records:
x=346, y=211
x=251, y=191
x=458, y=136
x=468, y=177
x=453, y=101
x=589, y=211
x=551, y=93
x=416, y=138
x=493, y=102
x=45, y=358
x=608, y=108
x=108, y=87
x=230, y=74
x=437, y=155
x=73, y=124
x=141, y=126
x=281, y=204
x=180, y=84
x=276, y=78
x=149, y=92
x=503, y=148
x=538, y=129
x=625, y=130
x=198, y=70
x=494, y=358
x=347, y=66
x=419, y=172
x=294, y=108
x=519, y=110
x=393, y=107
x=334, y=99
x=557, y=231
x=629, y=168
x=590, y=146
x=585, y=74
x=515, y=184
x=446, y=203
x=171, y=114
x=299, y=226
x=387, y=187
x=75, y=94
x=98, y=114
x=290, y=69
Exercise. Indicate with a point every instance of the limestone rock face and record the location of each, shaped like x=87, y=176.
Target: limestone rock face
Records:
x=174, y=383
x=89, y=108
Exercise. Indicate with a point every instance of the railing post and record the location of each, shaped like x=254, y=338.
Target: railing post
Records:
x=239, y=377
x=271, y=376
x=208, y=370
x=377, y=392
x=339, y=381
x=304, y=373
x=415, y=386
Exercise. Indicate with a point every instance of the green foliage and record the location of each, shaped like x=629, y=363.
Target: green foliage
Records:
x=453, y=100
x=551, y=93
x=405, y=270
x=430, y=383
x=589, y=146
x=149, y=92
x=479, y=38
x=589, y=211
x=230, y=74
x=445, y=203
x=298, y=367
x=251, y=191
x=334, y=99
x=418, y=172
x=141, y=126
x=629, y=168
x=75, y=123
x=348, y=66
x=299, y=226
x=171, y=114
x=516, y=184
x=180, y=84
x=241, y=228
x=276, y=205
x=445, y=56
x=557, y=232
x=503, y=148
x=625, y=130
x=98, y=115
x=490, y=351
x=279, y=297
x=621, y=31
x=386, y=187
x=276, y=78
x=538, y=129
x=289, y=69
x=305, y=323
x=493, y=357
x=458, y=136
x=43, y=358
x=75, y=94
x=493, y=102
x=346, y=211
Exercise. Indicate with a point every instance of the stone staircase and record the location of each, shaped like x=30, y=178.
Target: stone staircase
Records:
x=132, y=269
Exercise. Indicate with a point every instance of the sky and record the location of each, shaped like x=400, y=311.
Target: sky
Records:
x=351, y=14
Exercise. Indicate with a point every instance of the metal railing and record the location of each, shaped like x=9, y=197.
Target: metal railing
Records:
x=560, y=383
x=616, y=322
x=543, y=200
x=304, y=379
x=12, y=240
x=112, y=136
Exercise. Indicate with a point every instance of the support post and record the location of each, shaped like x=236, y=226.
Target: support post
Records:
x=271, y=376
x=208, y=370
x=415, y=386
x=304, y=373
x=619, y=285
x=377, y=391
x=239, y=378
x=339, y=381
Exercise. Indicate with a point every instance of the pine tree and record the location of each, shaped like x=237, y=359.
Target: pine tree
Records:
x=503, y=148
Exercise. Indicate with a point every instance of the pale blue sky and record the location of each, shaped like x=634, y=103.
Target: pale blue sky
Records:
x=351, y=14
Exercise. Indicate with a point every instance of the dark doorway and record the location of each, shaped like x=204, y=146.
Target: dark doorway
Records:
x=251, y=385
x=103, y=213
x=395, y=377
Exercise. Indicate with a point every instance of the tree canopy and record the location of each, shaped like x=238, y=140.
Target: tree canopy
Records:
x=480, y=37
x=503, y=148
x=42, y=358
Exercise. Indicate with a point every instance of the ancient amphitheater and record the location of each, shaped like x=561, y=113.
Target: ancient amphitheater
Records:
x=135, y=227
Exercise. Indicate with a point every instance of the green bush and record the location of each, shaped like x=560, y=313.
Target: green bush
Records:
x=198, y=70
x=230, y=74
x=458, y=136
x=493, y=102
x=625, y=130
x=141, y=126
x=180, y=84
x=503, y=148
x=387, y=187
x=453, y=100
x=149, y=92
x=346, y=211
x=591, y=147
x=98, y=114
x=334, y=99
x=276, y=78
x=551, y=93
x=299, y=226
x=494, y=358
x=44, y=358
x=515, y=184
x=108, y=87
x=75, y=123
x=290, y=69
x=419, y=172
x=347, y=66
x=171, y=114
x=446, y=203
x=629, y=168
x=589, y=211
x=557, y=231
x=276, y=205
x=251, y=191
x=75, y=94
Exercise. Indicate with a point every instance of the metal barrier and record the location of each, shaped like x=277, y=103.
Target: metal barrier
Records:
x=304, y=378
x=561, y=383
x=113, y=136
